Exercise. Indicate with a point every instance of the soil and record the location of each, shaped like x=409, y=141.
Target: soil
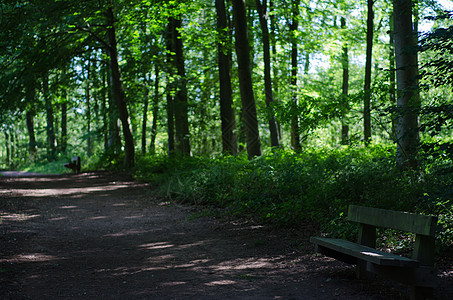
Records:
x=105, y=236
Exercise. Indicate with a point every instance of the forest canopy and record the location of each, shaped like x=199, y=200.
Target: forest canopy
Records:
x=108, y=79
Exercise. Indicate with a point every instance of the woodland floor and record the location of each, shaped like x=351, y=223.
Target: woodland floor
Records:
x=106, y=236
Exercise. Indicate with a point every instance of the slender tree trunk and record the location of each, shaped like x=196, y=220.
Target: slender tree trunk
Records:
x=273, y=42
x=8, y=148
x=367, y=87
x=118, y=89
x=145, y=120
x=114, y=139
x=182, y=136
x=392, y=79
x=105, y=122
x=88, y=110
x=30, y=114
x=64, y=124
x=50, y=129
x=152, y=145
x=345, y=88
x=295, y=135
x=273, y=128
x=245, y=79
x=32, y=151
x=227, y=115
x=408, y=99
x=170, y=89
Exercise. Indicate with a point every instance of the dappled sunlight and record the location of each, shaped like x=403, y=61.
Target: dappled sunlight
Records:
x=6, y=216
x=126, y=233
x=99, y=218
x=30, y=257
x=155, y=246
x=42, y=192
x=58, y=219
x=220, y=282
x=68, y=207
x=243, y=264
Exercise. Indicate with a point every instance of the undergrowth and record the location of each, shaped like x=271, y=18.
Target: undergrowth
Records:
x=289, y=189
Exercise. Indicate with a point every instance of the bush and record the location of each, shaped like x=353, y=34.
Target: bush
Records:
x=288, y=189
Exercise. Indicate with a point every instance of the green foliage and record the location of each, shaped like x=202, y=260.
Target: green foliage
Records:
x=288, y=189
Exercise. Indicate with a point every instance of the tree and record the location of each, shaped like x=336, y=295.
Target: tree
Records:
x=367, y=87
x=50, y=125
x=408, y=98
x=118, y=89
x=229, y=138
x=295, y=135
x=182, y=137
x=273, y=128
x=345, y=86
x=245, y=79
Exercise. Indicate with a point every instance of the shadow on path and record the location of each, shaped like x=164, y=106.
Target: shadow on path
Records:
x=105, y=236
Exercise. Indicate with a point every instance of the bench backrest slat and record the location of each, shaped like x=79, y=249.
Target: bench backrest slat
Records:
x=419, y=224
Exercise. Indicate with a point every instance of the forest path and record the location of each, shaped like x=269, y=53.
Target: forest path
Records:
x=106, y=236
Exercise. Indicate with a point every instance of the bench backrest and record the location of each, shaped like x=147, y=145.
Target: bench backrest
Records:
x=418, y=224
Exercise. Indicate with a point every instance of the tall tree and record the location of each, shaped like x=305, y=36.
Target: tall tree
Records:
x=169, y=40
x=408, y=98
x=367, y=87
x=145, y=118
x=182, y=137
x=263, y=16
x=245, y=79
x=227, y=116
x=156, y=97
x=345, y=87
x=118, y=89
x=392, y=77
x=294, y=25
x=50, y=126
x=30, y=94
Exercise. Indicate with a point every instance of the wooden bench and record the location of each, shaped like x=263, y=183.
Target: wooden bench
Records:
x=75, y=165
x=418, y=272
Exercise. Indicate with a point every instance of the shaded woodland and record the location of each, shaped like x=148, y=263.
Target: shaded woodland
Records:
x=287, y=110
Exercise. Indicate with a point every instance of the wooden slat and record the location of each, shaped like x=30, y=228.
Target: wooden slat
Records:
x=419, y=224
x=365, y=253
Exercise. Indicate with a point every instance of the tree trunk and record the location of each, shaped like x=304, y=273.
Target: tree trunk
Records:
x=273, y=128
x=392, y=79
x=30, y=114
x=345, y=88
x=8, y=148
x=114, y=139
x=273, y=42
x=295, y=135
x=245, y=79
x=367, y=87
x=145, y=120
x=105, y=122
x=88, y=110
x=182, y=134
x=408, y=99
x=118, y=90
x=227, y=116
x=50, y=129
x=170, y=89
x=152, y=146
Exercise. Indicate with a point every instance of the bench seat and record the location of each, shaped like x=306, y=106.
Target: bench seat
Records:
x=363, y=252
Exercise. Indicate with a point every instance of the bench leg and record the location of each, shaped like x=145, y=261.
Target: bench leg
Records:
x=420, y=292
x=361, y=270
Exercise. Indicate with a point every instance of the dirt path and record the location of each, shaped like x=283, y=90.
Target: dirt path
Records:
x=104, y=236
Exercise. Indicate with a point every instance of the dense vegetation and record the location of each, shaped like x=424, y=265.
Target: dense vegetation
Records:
x=285, y=111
